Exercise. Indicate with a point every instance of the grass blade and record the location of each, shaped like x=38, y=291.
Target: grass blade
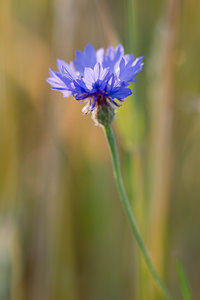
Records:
x=183, y=281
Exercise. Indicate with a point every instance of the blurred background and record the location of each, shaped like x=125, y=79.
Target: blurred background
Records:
x=63, y=232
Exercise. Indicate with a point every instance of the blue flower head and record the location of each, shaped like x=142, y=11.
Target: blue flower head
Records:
x=100, y=78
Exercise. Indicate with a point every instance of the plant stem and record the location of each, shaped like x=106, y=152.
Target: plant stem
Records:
x=118, y=177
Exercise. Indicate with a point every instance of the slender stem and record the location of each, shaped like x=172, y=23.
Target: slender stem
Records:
x=117, y=172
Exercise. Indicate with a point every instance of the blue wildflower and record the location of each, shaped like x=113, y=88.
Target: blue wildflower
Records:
x=97, y=77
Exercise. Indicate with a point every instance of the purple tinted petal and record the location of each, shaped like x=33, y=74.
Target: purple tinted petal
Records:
x=66, y=93
x=86, y=59
x=120, y=50
x=129, y=71
x=60, y=64
x=82, y=96
x=90, y=56
x=58, y=80
x=120, y=93
x=114, y=102
x=89, y=75
x=129, y=58
x=94, y=103
x=100, y=55
x=112, y=57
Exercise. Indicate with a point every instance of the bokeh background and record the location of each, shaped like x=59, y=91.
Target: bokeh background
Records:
x=63, y=232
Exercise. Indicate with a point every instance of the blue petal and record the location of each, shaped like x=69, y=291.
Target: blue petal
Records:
x=112, y=57
x=66, y=69
x=90, y=56
x=86, y=59
x=58, y=81
x=114, y=102
x=130, y=70
x=94, y=103
x=100, y=55
x=60, y=64
x=120, y=93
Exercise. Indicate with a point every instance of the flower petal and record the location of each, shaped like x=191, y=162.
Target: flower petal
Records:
x=86, y=59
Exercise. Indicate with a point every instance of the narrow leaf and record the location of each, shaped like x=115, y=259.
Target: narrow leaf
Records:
x=183, y=281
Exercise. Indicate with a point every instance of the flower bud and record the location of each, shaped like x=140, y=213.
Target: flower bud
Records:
x=104, y=114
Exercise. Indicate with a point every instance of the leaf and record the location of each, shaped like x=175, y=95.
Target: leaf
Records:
x=183, y=281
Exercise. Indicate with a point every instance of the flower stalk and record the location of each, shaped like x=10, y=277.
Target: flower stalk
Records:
x=118, y=177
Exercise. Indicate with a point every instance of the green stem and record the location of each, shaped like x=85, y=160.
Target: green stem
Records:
x=117, y=172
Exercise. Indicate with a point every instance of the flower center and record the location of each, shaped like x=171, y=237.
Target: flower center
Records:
x=101, y=100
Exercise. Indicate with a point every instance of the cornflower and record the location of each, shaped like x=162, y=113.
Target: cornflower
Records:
x=99, y=78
